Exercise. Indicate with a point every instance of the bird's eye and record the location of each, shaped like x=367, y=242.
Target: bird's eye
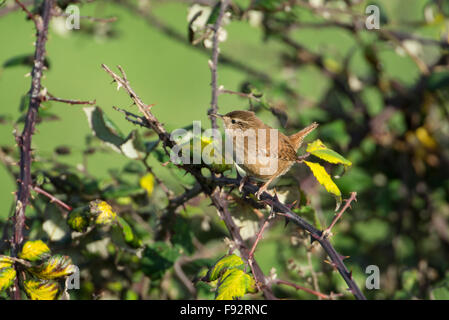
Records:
x=233, y=121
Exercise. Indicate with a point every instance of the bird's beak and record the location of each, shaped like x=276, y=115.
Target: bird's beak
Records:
x=216, y=115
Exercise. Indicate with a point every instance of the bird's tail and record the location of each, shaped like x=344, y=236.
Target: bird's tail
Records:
x=297, y=138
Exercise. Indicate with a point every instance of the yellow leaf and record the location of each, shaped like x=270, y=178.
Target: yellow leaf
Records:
x=7, y=276
x=234, y=284
x=425, y=138
x=5, y=262
x=318, y=149
x=42, y=290
x=104, y=212
x=56, y=266
x=209, y=154
x=34, y=250
x=147, y=183
x=324, y=179
x=225, y=263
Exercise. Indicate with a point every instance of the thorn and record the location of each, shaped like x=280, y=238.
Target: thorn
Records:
x=350, y=274
x=333, y=265
x=286, y=222
x=344, y=257
x=290, y=206
x=275, y=195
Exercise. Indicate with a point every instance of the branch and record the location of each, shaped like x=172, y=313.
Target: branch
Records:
x=298, y=287
x=50, y=97
x=222, y=206
x=316, y=235
x=29, y=14
x=53, y=198
x=208, y=185
x=214, y=63
x=353, y=197
x=24, y=140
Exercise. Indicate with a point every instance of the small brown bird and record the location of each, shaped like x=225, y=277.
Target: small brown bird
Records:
x=254, y=151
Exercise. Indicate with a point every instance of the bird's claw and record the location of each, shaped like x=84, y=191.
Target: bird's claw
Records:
x=259, y=192
x=242, y=183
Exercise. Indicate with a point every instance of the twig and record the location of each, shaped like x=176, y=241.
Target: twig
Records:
x=93, y=19
x=133, y=118
x=214, y=62
x=259, y=234
x=24, y=140
x=298, y=287
x=29, y=14
x=53, y=198
x=183, y=278
x=51, y=97
x=353, y=197
x=240, y=94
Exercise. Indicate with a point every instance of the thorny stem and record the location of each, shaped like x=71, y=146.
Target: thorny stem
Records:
x=53, y=198
x=353, y=197
x=214, y=62
x=298, y=287
x=51, y=97
x=24, y=140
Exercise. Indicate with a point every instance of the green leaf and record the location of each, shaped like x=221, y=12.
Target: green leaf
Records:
x=103, y=128
x=222, y=265
x=128, y=234
x=7, y=276
x=42, y=290
x=158, y=258
x=214, y=14
x=234, y=284
x=325, y=180
x=438, y=80
x=23, y=60
x=318, y=149
x=34, y=250
x=133, y=146
x=182, y=235
x=122, y=191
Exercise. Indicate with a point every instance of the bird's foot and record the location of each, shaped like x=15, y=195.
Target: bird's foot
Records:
x=243, y=180
x=261, y=190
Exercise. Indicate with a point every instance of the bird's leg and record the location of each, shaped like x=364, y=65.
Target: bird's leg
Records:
x=264, y=187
